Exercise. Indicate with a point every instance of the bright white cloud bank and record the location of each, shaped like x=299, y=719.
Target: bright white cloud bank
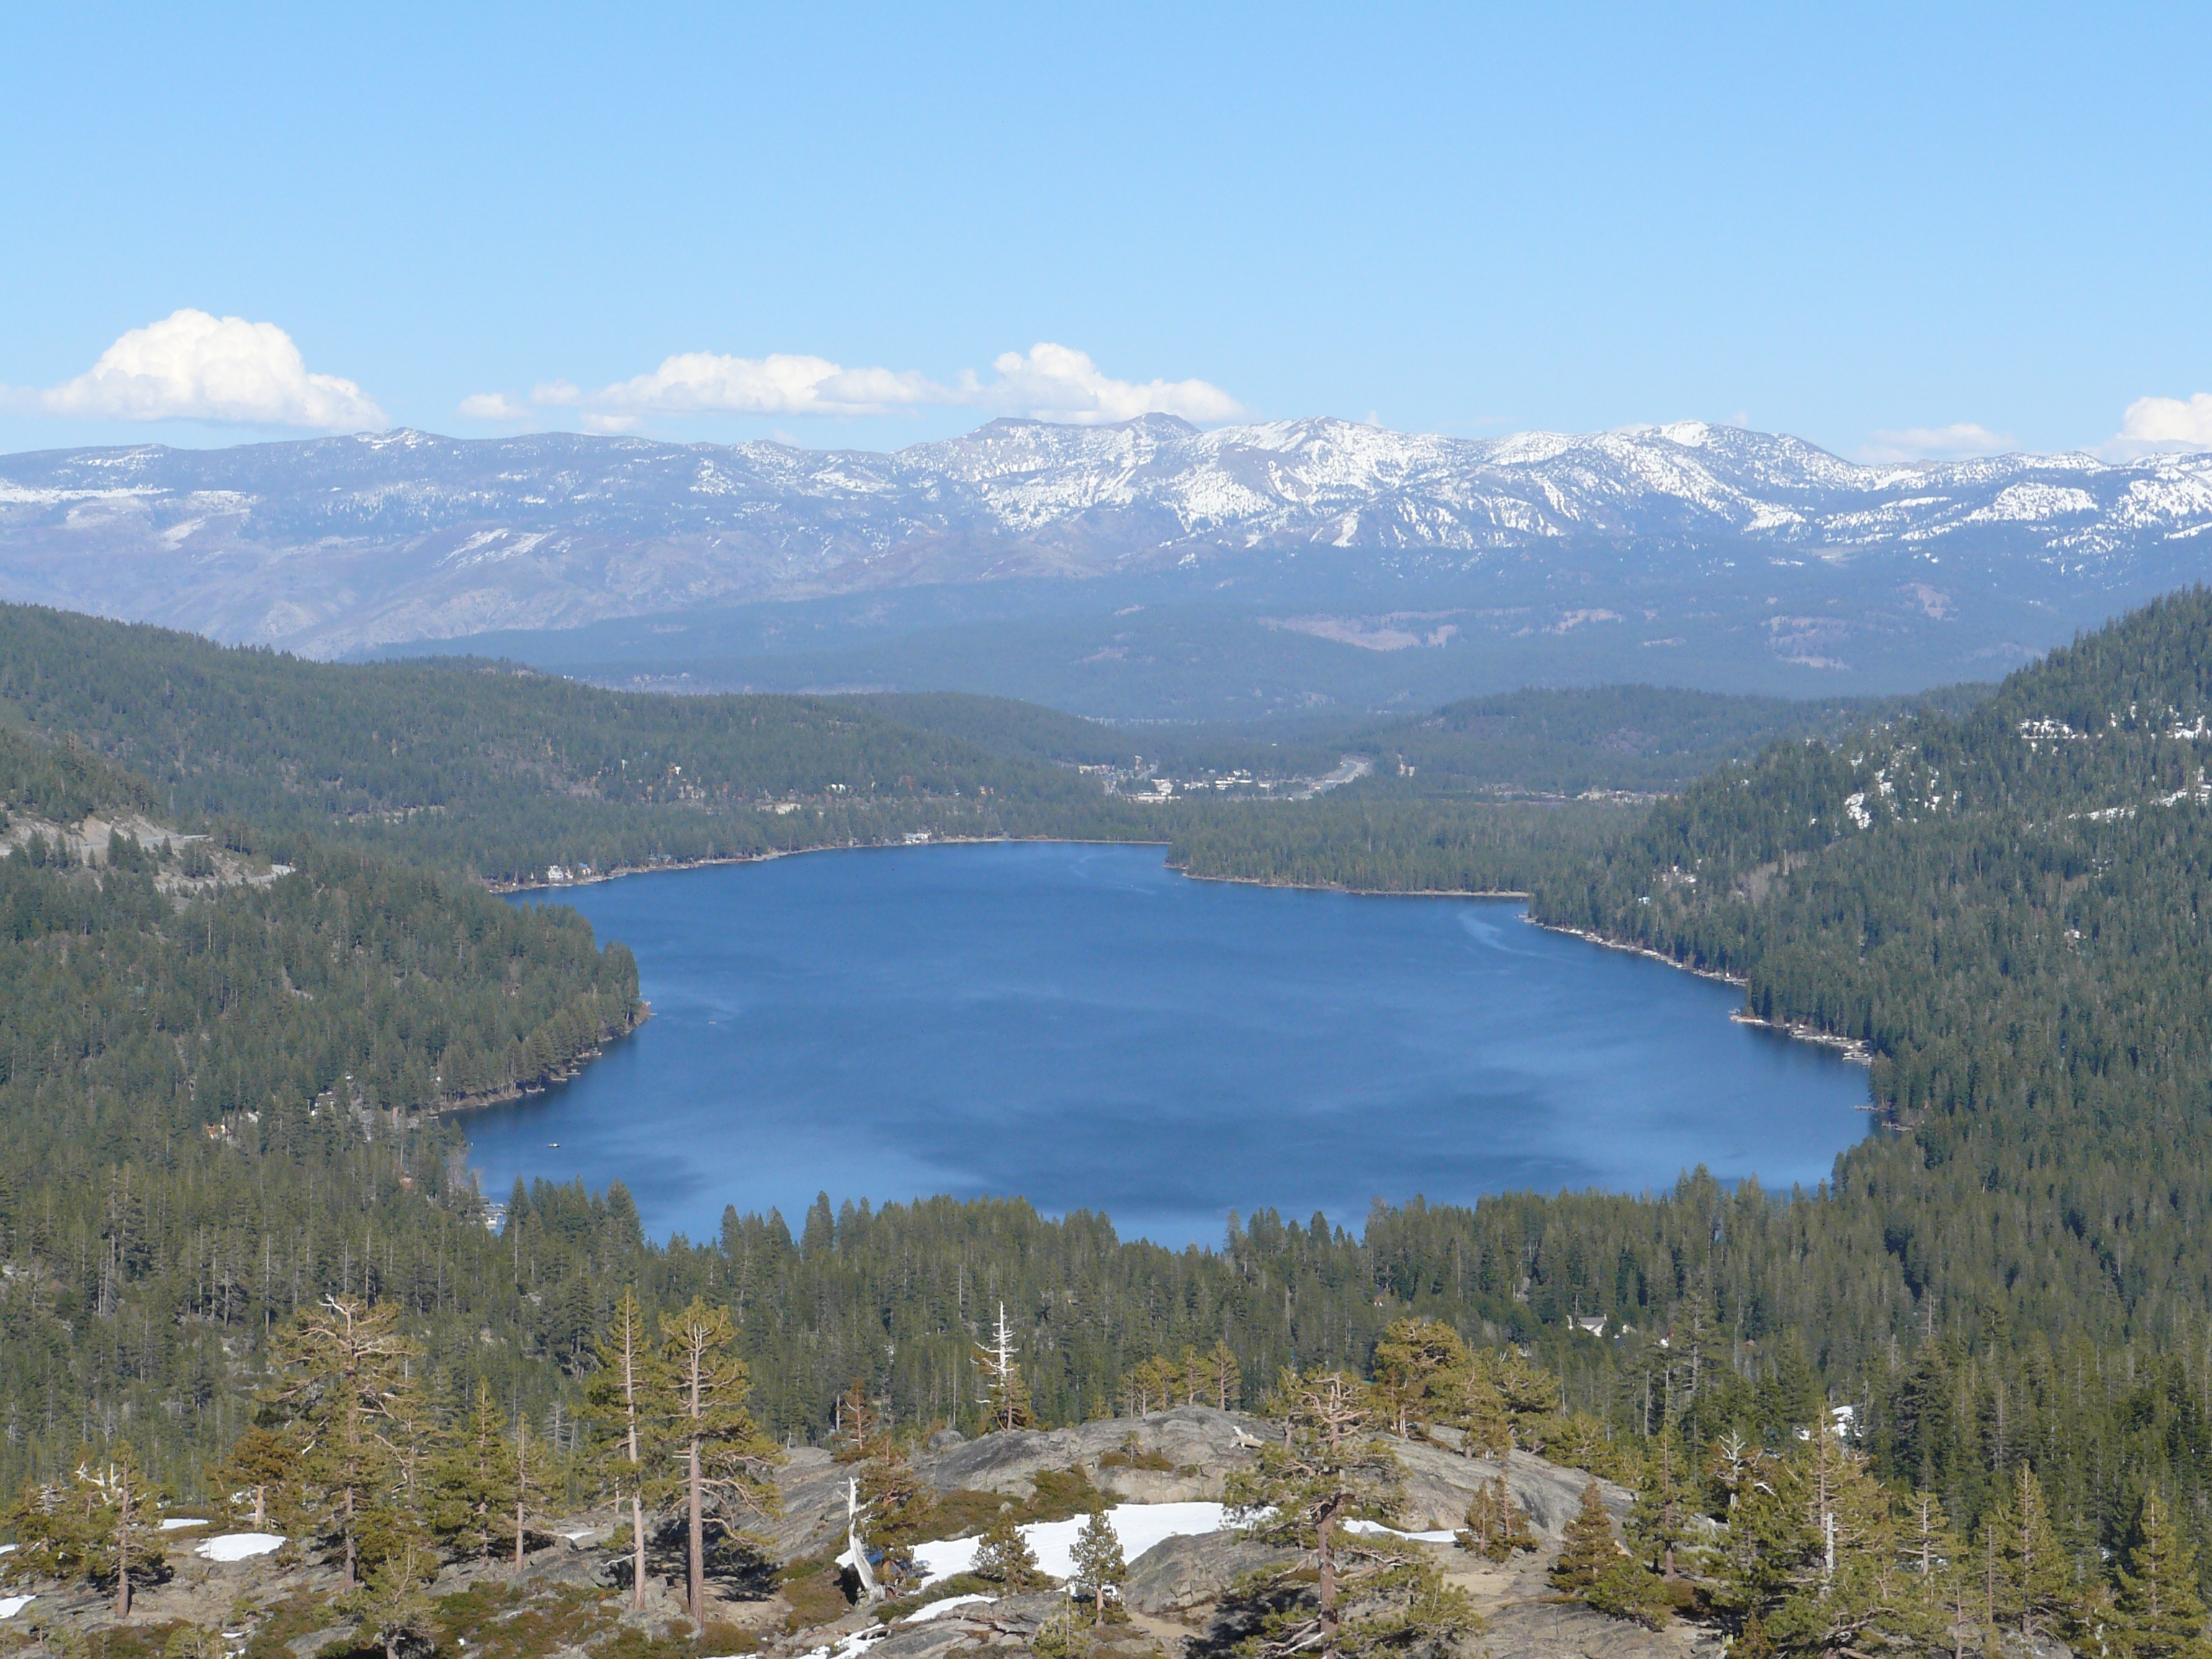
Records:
x=1050, y=382
x=1921, y=443
x=2156, y=423
x=190, y=366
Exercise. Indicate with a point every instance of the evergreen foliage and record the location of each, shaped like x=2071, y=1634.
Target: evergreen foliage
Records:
x=1004, y=1557
x=218, y=1135
x=1332, y=1468
x=1496, y=1526
x=1099, y=1569
x=723, y=1461
x=2159, y=1614
x=1589, y=1549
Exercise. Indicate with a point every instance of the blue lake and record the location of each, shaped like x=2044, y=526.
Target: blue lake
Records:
x=1083, y=1027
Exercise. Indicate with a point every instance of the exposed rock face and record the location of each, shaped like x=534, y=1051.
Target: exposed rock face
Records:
x=1440, y=1484
x=1177, y=1576
x=1200, y=1443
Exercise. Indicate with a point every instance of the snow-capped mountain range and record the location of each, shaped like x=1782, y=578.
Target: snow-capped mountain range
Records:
x=329, y=545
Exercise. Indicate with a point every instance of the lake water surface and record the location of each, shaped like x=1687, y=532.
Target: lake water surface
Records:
x=1083, y=1027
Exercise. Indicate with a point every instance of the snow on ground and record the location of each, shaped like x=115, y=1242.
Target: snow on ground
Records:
x=241, y=1546
x=176, y=1521
x=12, y=1605
x=936, y=1609
x=852, y=1647
x=1138, y=1525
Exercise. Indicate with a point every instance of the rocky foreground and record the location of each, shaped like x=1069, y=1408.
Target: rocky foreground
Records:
x=564, y=1602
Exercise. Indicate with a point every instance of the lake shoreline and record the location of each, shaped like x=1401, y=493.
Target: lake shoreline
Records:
x=1095, y=1041
x=1850, y=1048
x=505, y=888
x=597, y=876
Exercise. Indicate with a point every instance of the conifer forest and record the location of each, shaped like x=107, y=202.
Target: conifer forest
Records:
x=255, y=964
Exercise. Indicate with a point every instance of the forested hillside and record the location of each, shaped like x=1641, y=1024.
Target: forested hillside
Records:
x=210, y=1094
x=503, y=773
x=1618, y=738
x=2011, y=909
x=211, y=1110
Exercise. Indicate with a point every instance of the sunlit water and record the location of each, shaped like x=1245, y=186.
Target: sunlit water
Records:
x=1083, y=1027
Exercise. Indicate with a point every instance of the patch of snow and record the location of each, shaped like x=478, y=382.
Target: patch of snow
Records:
x=1138, y=1525
x=853, y=1646
x=176, y=1522
x=2030, y=502
x=938, y=1609
x=12, y=1605
x=241, y=1546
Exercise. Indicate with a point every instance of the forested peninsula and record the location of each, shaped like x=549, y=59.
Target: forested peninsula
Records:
x=251, y=956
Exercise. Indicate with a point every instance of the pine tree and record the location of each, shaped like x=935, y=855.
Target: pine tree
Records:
x=1099, y=1566
x=1933, y=1558
x=1476, y=1406
x=258, y=1476
x=1588, y=1549
x=2158, y=1614
x=2035, y=1581
x=858, y=1422
x=133, y=1522
x=1330, y=1468
x=475, y=1485
x=898, y=1502
x=619, y=1398
x=1412, y=1363
x=1003, y=1556
x=1660, y=1518
x=103, y=1527
x=1627, y=1590
x=1006, y=1399
x=1496, y=1525
x=393, y=1607
x=700, y=1387
x=1812, y=1549
x=341, y=1364
x=1224, y=1379
x=533, y=1475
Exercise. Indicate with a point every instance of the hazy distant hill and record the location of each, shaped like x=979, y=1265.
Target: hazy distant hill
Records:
x=334, y=544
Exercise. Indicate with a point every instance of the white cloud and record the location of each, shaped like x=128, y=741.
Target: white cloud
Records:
x=1050, y=382
x=2152, y=424
x=494, y=406
x=190, y=366
x=1056, y=383
x=1936, y=443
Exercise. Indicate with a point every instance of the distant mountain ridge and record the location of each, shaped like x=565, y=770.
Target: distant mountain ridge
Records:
x=323, y=546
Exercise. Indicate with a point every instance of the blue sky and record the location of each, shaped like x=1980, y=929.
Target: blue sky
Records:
x=1889, y=230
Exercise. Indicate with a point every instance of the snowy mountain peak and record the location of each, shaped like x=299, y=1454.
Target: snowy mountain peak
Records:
x=326, y=544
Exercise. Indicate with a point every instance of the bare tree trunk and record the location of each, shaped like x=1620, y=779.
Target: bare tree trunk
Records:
x=698, y=1539
x=521, y=1483
x=351, y=1580
x=123, y=1558
x=636, y=1497
x=260, y=1508
x=1325, y=1553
